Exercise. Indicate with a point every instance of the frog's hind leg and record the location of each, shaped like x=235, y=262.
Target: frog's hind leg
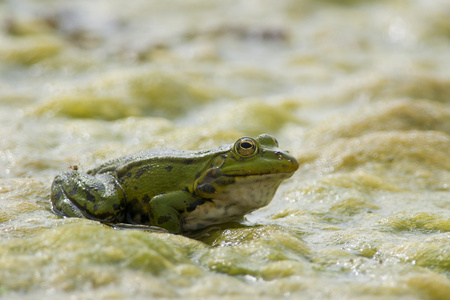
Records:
x=98, y=197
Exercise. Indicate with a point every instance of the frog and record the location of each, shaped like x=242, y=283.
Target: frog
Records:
x=177, y=191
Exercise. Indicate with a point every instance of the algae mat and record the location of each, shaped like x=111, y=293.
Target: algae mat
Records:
x=358, y=91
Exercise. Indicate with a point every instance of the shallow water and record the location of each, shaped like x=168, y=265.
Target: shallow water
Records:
x=358, y=91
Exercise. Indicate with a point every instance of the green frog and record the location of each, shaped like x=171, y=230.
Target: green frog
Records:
x=180, y=191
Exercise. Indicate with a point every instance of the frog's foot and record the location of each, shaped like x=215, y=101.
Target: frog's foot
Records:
x=79, y=195
x=63, y=206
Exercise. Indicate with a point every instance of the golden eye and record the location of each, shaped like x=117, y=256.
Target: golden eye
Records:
x=246, y=146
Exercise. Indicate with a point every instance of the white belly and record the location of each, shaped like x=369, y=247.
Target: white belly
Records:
x=231, y=204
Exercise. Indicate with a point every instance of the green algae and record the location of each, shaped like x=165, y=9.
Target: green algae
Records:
x=357, y=92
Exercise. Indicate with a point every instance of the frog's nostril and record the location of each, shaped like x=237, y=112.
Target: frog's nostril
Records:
x=279, y=154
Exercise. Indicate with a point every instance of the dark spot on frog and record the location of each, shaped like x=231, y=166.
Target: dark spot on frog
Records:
x=146, y=199
x=142, y=170
x=134, y=200
x=188, y=161
x=194, y=205
x=90, y=197
x=207, y=188
x=163, y=219
x=128, y=175
x=95, y=207
x=169, y=168
x=225, y=181
x=135, y=188
x=145, y=219
x=116, y=206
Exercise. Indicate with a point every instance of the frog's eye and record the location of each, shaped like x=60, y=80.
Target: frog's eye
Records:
x=267, y=140
x=246, y=146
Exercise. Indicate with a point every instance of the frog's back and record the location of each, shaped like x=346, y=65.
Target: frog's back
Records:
x=149, y=173
x=122, y=164
x=127, y=161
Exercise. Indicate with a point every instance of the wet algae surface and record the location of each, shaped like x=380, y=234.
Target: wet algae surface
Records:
x=358, y=91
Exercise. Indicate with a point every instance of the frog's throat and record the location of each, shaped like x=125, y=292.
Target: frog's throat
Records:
x=233, y=201
x=233, y=188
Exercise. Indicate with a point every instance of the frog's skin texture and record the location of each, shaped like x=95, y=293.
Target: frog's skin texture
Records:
x=177, y=190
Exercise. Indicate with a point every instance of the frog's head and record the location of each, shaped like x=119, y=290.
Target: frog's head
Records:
x=248, y=174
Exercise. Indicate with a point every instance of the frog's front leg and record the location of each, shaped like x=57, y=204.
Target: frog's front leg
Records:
x=166, y=209
x=99, y=197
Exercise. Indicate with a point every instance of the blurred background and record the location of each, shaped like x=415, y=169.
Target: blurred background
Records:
x=358, y=91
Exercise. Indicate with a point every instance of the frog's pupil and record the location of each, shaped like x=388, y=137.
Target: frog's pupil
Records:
x=246, y=145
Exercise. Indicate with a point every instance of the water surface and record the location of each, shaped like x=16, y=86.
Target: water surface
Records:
x=358, y=91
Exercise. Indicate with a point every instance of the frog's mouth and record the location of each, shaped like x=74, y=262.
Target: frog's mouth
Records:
x=285, y=164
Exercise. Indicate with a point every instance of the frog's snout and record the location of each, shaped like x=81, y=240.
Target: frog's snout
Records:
x=287, y=157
